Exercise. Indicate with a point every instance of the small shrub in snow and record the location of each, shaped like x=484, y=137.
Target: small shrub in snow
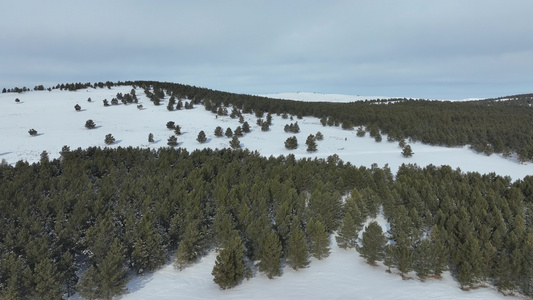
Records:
x=90, y=124
x=109, y=139
x=32, y=132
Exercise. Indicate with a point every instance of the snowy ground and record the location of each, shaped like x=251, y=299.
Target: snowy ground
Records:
x=343, y=275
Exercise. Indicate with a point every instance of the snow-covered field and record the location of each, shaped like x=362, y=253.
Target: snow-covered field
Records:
x=343, y=275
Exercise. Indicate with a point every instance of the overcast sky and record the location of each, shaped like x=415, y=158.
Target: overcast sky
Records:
x=449, y=49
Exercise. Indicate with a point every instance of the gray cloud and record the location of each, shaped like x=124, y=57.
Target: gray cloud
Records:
x=430, y=49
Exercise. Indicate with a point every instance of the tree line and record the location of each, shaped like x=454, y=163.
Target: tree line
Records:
x=111, y=212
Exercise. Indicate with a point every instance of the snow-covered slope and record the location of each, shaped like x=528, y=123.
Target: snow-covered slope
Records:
x=343, y=275
x=52, y=114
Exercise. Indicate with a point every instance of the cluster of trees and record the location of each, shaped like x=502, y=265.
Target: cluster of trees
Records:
x=489, y=126
x=293, y=127
x=113, y=211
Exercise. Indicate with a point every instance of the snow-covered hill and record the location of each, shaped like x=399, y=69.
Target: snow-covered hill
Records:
x=341, y=276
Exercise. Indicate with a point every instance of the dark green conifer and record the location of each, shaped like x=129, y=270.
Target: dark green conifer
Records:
x=297, y=253
x=229, y=266
x=311, y=144
x=270, y=263
x=318, y=239
x=191, y=245
x=106, y=279
x=245, y=127
x=372, y=243
x=201, y=137
x=235, y=143
x=47, y=281
x=218, y=131
x=347, y=233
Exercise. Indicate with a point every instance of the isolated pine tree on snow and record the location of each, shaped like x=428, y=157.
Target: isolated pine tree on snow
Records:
x=245, y=127
x=172, y=141
x=150, y=138
x=229, y=132
x=109, y=139
x=177, y=129
x=407, y=151
x=170, y=125
x=311, y=144
x=201, y=137
x=291, y=143
x=89, y=124
x=219, y=131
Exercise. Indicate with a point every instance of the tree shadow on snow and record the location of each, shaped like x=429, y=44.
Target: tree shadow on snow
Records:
x=5, y=153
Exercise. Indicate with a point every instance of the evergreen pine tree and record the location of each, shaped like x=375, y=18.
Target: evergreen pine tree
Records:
x=229, y=265
x=47, y=281
x=318, y=239
x=440, y=253
x=218, y=131
x=32, y=132
x=291, y=143
x=403, y=254
x=407, y=151
x=201, y=137
x=172, y=141
x=347, y=233
x=191, y=245
x=246, y=127
x=109, y=139
x=229, y=132
x=270, y=263
x=238, y=131
x=150, y=138
x=235, y=143
x=423, y=258
x=107, y=279
x=297, y=253
x=148, y=250
x=373, y=242
x=89, y=124
x=319, y=136
x=311, y=144
x=170, y=125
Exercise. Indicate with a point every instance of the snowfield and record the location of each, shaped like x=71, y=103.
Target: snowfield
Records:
x=343, y=275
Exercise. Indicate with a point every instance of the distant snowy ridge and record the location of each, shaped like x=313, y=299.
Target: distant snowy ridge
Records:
x=341, y=98
x=319, y=97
